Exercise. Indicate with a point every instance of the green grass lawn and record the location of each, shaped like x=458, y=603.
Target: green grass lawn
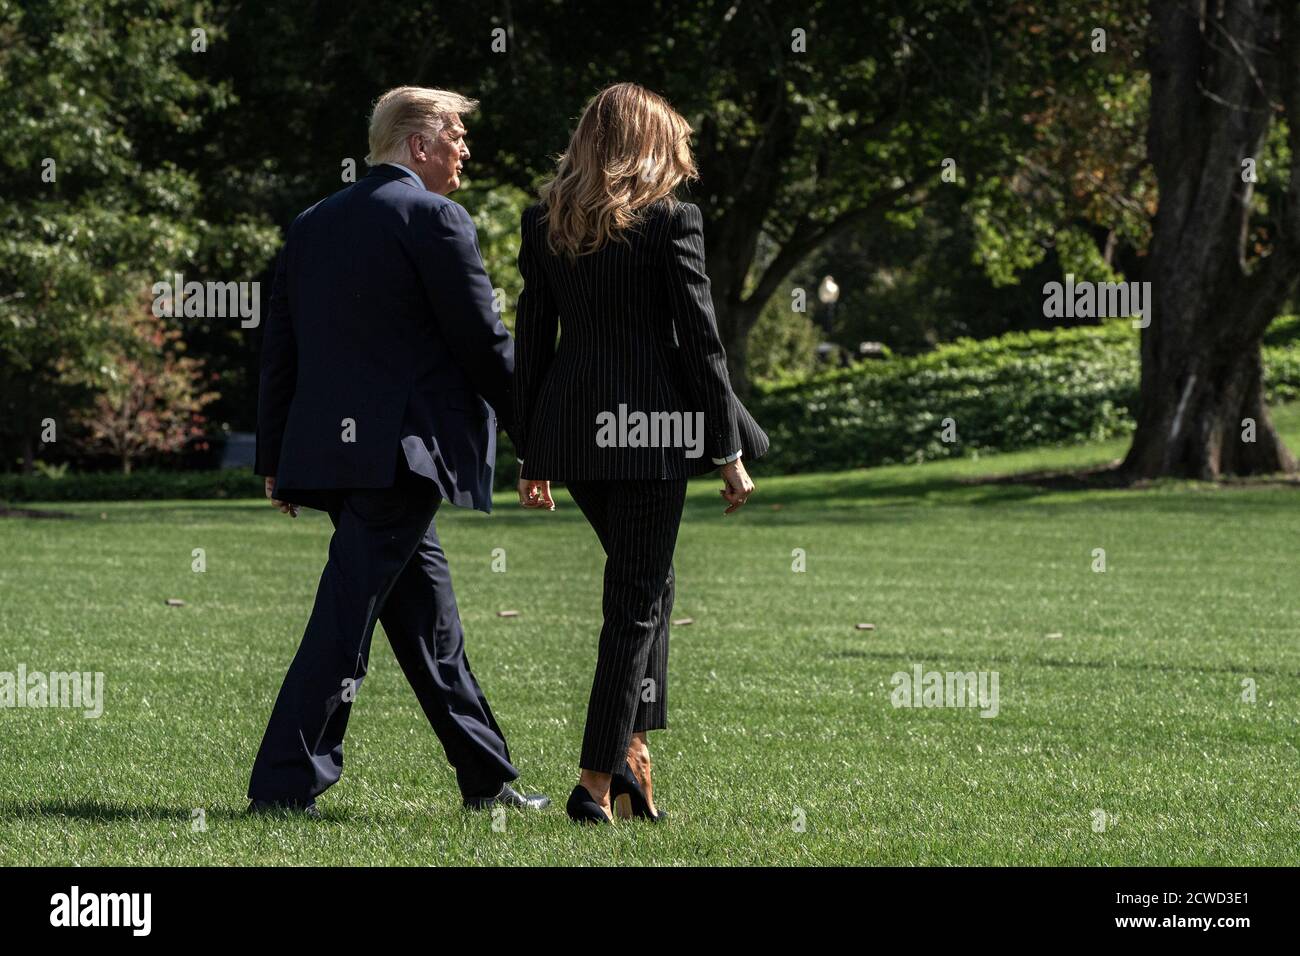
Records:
x=1118, y=691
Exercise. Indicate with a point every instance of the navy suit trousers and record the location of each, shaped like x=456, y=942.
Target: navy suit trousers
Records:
x=385, y=564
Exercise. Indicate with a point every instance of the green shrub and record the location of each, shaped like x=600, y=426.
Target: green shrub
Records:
x=141, y=485
x=1282, y=373
x=148, y=484
x=1285, y=330
x=507, y=466
x=159, y=485
x=1022, y=390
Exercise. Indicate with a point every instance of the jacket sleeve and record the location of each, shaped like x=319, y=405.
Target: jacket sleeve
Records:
x=279, y=371
x=536, y=324
x=460, y=295
x=704, y=361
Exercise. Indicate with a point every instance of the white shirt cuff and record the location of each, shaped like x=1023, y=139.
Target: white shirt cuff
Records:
x=730, y=458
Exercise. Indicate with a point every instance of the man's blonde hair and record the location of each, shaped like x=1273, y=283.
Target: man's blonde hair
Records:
x=410, y=109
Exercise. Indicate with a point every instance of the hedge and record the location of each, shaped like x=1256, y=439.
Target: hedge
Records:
x=146, y=484
x=1022, y=390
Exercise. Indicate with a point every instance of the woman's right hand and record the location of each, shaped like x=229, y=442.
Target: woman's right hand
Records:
x=535, y=494
x=737, y=485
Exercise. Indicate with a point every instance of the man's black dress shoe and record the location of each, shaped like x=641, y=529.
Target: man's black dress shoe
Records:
x=583, y=808
x=291, y=806
x=509, y=797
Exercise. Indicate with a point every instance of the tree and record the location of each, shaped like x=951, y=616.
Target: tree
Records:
x=94, y=97
x=828, y=119
x=1225, y=97
x=1059, y=183
x=151, y=398
x=813, y=119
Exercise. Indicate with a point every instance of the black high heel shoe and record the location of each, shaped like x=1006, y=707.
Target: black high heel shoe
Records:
x=583, y=808
x=624, y=784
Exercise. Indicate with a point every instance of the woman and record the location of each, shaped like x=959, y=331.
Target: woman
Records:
x=633, y=401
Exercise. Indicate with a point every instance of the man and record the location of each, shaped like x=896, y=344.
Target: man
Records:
x=380, y=347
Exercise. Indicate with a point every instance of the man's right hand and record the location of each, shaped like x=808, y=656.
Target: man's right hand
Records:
x=737, y=486
x=284, y=506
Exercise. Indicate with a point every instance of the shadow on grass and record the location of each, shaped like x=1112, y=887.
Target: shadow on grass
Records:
x=182, y=510
x=1013, y=488
x=938, y=655
x=97, y=810
x=832, y=491
x=842, y=491
x=174, y=510
x=37, y=513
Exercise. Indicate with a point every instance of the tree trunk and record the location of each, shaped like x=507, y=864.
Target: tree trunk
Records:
x=1203, y=416
x=735, y=321
x=734, y=217
x=731, y=249
x=1219, y=72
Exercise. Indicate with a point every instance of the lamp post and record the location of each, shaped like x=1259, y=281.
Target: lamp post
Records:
x=828, y=293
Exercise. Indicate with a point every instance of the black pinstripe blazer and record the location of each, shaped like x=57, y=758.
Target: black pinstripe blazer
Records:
x=636, y=334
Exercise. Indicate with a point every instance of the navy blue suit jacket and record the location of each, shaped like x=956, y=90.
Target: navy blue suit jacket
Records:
x=381, y=344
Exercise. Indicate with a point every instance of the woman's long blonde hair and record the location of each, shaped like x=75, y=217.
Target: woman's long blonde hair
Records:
x=630, y=149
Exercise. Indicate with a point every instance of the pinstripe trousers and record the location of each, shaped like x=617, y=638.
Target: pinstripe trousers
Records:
x=637, y=522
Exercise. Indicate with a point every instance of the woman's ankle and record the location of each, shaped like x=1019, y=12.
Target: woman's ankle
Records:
x=596, y=784
x=639, y=746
